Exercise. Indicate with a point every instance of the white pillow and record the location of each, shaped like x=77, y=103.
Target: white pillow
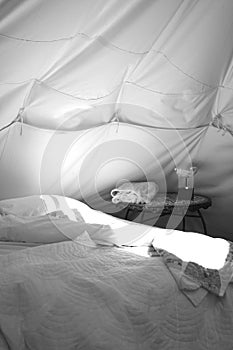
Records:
x=26, y=206
x=39, y=205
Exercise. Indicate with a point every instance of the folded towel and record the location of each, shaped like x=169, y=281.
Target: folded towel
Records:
x=135, y=192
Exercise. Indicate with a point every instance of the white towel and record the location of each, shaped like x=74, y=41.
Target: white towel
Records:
x=135, y=192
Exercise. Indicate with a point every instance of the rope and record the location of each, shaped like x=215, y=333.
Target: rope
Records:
x=108, y=44
x=12, y=37
x=103, y=41
x=5, y=143
x=84, y=98
x=99, y=38
x=7, y=126
x=167, y=93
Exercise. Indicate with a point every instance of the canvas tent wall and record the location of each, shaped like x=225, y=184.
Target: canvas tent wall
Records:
x=92, y=92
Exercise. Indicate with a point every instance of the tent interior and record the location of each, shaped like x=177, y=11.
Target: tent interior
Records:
x=96, y=92
x=96, y=95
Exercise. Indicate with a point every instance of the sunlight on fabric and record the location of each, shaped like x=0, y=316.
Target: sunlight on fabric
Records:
x=189, y=246
x=114, y=230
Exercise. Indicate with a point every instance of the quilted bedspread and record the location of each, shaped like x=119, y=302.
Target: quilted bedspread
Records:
x=71, y=295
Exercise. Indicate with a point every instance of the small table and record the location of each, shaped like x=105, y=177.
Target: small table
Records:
x=166, y=204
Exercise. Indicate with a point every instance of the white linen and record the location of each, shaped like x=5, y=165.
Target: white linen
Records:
x=73, y=296
x=56, y=227
x=49, y=229
x=70, y=220
x=33, y=220
x=206, y=251
x=135, y=192
x=38, y=205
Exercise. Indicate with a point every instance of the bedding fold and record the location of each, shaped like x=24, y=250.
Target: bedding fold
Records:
x=209, y=270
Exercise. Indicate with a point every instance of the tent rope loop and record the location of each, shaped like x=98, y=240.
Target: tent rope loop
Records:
x=19, y=119
x=219, y=123
x=116, y=119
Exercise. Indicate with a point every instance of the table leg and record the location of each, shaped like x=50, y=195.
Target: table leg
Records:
x=142, y=216
x=183, y=223
x=203, y=221
x=127, y=212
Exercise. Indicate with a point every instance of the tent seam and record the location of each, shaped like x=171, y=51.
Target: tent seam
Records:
x=99, y=38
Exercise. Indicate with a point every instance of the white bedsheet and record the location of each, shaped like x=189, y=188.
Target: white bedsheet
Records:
x=71, y=296
x=75, y=294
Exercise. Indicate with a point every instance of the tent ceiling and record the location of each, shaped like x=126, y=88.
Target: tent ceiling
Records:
x=67, y=67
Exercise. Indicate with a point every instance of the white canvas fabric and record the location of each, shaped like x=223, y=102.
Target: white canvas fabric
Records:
x=88, y=78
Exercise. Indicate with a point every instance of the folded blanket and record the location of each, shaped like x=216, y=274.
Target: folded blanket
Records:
x=135, y=192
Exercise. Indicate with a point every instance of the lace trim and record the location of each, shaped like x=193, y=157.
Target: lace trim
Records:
x=210, y=279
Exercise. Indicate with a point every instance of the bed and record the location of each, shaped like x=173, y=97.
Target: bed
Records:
x=74, y=278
